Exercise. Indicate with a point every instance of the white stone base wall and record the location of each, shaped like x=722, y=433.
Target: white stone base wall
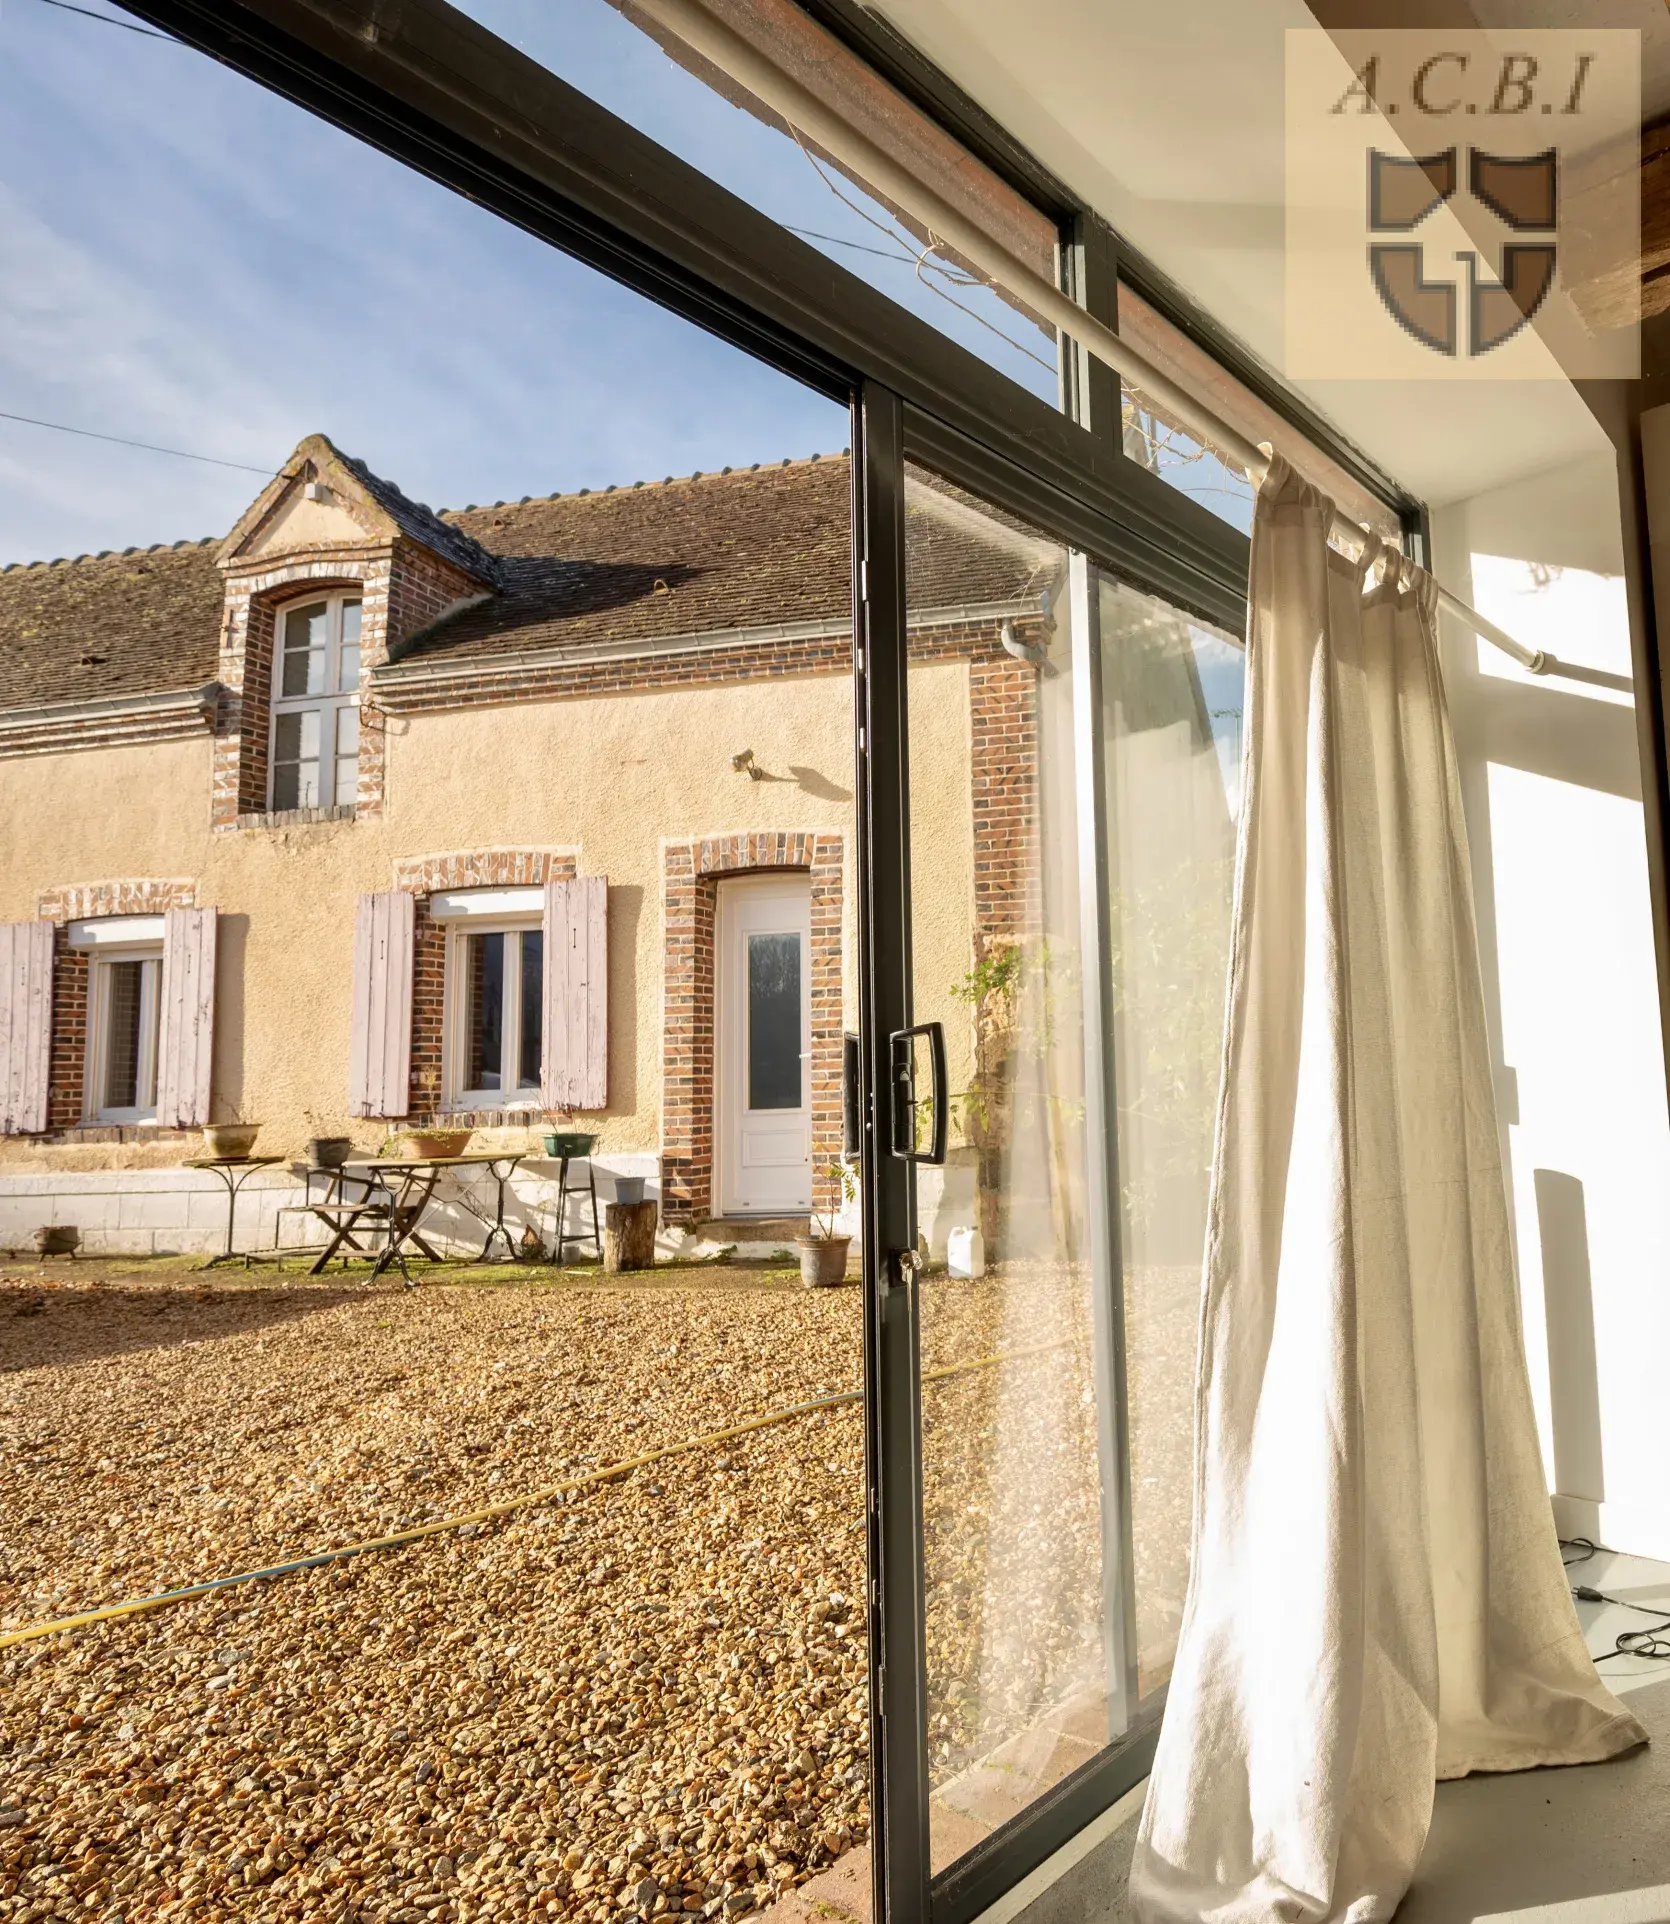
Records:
x=168, y=1212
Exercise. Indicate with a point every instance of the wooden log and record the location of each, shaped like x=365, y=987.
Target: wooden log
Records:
x=628, y=1236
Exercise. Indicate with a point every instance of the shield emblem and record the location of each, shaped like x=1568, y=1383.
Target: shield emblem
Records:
x=1521, y=190
x=1402, y=192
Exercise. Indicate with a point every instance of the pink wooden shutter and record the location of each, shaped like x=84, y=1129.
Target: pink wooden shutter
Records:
x=575, y=1072
x=380, y=1057
x=25, y=1025
x=186, y=1045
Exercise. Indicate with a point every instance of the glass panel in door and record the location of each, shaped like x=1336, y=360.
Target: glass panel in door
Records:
x=774, y=1036
x=1023, y=1563
x=1171, y=711
x=1073, y=779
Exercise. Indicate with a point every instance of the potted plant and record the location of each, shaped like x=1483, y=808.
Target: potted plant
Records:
x=427, y=1145
x=327, y=1152
x=823, y=1252
x=228, y=1141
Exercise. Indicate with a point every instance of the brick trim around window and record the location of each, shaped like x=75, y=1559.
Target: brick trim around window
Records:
x=143, y=895
x=691, y=874
x=402, y=588
x=422, y=876
x=71, y=975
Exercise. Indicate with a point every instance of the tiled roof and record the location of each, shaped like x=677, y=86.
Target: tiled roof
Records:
x=742, y=549
x=756, y=547
x=436, y=532
x=108, y=625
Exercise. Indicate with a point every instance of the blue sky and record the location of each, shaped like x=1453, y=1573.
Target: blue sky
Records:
x=185, y=259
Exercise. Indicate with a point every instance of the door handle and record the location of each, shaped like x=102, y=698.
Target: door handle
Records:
x=906, y=1104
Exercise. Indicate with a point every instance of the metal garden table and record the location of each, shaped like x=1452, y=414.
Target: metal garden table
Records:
x=234, y=1171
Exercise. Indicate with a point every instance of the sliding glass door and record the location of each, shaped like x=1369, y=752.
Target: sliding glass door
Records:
x=1051, y=877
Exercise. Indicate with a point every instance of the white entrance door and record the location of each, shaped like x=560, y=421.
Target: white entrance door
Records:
x=763, y=1084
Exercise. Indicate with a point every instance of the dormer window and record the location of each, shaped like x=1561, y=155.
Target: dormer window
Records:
x=315, y=709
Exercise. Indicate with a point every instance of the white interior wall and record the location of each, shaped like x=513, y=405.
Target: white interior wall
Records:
x=1551, y=780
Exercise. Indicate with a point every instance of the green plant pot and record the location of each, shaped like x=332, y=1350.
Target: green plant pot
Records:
x=569, y=1143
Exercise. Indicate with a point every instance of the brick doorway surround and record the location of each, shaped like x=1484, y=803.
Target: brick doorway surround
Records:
x=691, y=874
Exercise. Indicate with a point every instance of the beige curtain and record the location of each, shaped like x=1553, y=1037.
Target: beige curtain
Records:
x=1376, y=1598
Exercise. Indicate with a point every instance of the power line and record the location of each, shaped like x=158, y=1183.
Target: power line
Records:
x=109, y=20
x=118, y=440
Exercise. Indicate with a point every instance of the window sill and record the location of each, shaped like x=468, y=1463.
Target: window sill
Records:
x=105, y=1132
x=298, y=817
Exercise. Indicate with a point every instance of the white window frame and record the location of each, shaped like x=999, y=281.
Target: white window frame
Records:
x=327, y=704
x=104, y=953
x=455, y=1050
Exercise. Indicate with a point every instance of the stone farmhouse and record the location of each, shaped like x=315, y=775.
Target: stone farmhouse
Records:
x=367, y=816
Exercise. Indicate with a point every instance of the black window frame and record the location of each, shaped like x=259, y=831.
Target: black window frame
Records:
x=437, y=91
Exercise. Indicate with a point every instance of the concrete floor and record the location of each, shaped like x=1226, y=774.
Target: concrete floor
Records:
x=1585, y=1845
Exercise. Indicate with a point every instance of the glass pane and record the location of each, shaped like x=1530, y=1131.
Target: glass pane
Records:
x=1172, y=698
x=348, y=673
x=483, y=990
x=532, y=1030
x=347, y=755
x=123, y=1000
x=305, y=634
x=1178, y=457
x=296, y=759
x=774, y=1027
x=1171, y=452
x=1026, y=1648
x=654, y=81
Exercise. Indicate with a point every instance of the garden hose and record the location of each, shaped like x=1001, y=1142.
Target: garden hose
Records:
x=135, y=1606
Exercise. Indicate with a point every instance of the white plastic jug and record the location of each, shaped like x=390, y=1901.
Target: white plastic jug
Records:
x=965, y=1253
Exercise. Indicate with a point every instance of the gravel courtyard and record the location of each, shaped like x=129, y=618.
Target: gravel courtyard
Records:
x=648, y=1698
x=655, y=1690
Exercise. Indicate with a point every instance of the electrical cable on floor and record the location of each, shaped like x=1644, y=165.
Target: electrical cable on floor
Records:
x=1653, y=1642
x=494, y=1511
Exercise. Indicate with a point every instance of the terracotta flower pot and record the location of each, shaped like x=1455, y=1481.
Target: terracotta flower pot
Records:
x=425, y=1145
x=823, y=1260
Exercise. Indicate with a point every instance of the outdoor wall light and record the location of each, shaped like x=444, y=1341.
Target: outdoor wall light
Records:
x=744, y=764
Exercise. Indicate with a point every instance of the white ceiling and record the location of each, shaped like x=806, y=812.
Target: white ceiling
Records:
x=1167, y=118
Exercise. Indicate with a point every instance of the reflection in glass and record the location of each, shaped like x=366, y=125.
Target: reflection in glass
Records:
x=774, y=1021
x=348, y=673
x=1025, y=1661
x=1171, y=730
x=123, y=990
x=484, y=1010
x=530, y=1038
x=1173, y=453
x=1054, y=1587
x=347, y=753
x=296, y=759
x=304, y=650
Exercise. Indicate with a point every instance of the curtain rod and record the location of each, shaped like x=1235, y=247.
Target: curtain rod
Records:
x=691, y=22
